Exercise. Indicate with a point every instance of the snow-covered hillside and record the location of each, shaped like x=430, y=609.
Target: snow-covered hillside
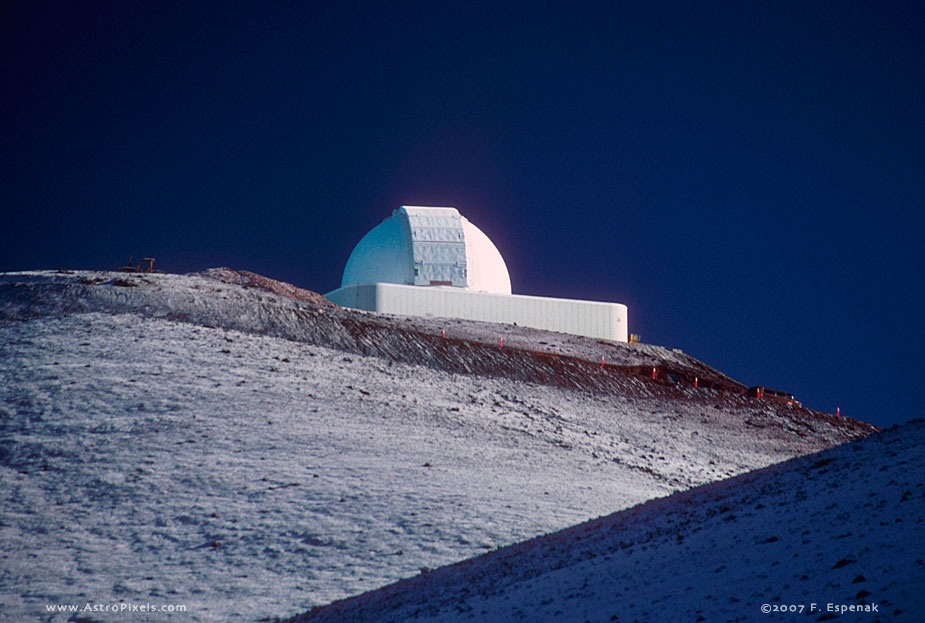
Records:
x=245, y=450
x=836, y=535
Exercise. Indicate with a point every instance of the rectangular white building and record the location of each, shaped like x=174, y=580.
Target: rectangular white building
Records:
x=605, y=321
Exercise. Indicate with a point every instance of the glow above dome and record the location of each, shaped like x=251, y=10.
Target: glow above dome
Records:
x=428, y=247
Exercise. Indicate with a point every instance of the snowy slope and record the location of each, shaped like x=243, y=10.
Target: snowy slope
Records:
x=841, y=532
x=203, y=441
x=250, y=303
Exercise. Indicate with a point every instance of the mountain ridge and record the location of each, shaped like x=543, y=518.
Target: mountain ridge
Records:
x=448, y=344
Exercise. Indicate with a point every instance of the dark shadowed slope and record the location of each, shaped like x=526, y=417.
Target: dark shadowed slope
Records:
x=836, y=530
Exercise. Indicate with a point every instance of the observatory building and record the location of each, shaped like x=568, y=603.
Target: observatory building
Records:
x=433, y=262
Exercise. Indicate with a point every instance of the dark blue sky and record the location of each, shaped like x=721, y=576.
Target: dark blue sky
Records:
x=748, y=177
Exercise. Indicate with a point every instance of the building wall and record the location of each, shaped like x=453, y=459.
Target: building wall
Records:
x=589, y=318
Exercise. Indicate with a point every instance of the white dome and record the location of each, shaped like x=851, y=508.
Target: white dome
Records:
x=382, y=255
x=428, y=247
x=487, y=271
